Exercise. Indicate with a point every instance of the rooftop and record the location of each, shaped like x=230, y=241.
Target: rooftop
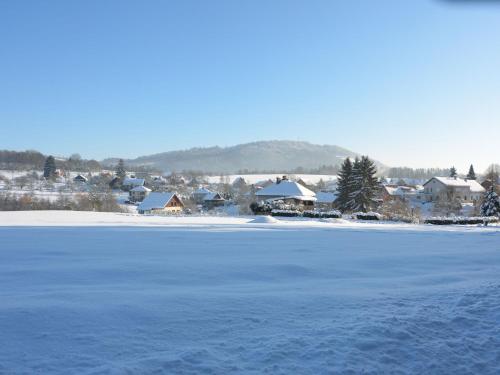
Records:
x=285, y=189
x=155, y=200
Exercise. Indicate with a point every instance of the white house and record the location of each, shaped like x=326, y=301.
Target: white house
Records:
x=138, y=193
x=398, y=192
x=161, y=204
x=288, y=191
x=200, y=193
x=467, y=191
x=132, y=182
x=212, y=200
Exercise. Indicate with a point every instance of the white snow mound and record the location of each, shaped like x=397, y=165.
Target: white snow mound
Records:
x=264, y=220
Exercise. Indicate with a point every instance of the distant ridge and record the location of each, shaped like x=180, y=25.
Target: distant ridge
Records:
x=255, y=156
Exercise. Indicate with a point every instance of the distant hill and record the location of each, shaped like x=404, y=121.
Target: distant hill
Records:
x=255, y=156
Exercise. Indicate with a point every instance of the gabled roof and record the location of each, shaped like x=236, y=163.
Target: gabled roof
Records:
x=285, y=189
x=141, y=188
x=474, y=186
x=80, y=177
x=133, y=181
x=213, y=197
x=156, y=200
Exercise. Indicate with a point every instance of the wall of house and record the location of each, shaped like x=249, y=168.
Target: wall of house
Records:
x=435, y=190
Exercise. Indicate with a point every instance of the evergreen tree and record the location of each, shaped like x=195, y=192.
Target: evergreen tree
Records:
x=120, y=169
x=364, y=185
x=471, y=175
x=49, y=169
x=491, y=204
x=344, y=184
x=453, y=172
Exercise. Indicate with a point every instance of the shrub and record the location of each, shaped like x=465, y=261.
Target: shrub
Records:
x=367, y=216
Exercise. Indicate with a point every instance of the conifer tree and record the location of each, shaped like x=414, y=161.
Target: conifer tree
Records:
x=453, y=172
x=491, y=204
x=364, y=185
x=49, y=168
x=344, y=185
x=471, y=175
x=120, y=169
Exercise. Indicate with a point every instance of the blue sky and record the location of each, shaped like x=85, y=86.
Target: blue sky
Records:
x=412, y=83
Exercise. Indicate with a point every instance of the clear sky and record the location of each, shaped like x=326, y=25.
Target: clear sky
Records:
x=413, y=83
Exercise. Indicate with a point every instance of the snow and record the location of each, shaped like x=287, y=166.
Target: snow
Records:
x=141, y=189
x=110, y=293
x=285, y=189
x=202, y=191
x=264, y=219
x=132, y=181
x=325, y=197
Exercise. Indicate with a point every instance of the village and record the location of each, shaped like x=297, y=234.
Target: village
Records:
x=439, y=198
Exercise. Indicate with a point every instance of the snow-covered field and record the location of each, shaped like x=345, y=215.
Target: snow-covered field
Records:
x=108, y=293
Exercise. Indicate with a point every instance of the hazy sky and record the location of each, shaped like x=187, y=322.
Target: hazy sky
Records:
x=412, y=83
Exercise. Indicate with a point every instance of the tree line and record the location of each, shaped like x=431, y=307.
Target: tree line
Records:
x=29, y=160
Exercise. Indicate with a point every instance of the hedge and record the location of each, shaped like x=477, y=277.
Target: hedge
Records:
x=461, y=220
x=285, y=213
x=367, y=216
x=333, y=214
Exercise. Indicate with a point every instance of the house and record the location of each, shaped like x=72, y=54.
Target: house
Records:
x=161, y=204
x=290, y=192
x=393, y=192
x=80, y=178
x=467, y=191
x=325, y=199
x=138, y=193
x=131, y=182
x=199, y=194
x=213, y=200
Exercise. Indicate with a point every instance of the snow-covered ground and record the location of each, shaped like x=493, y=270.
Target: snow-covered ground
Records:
x=108, y=293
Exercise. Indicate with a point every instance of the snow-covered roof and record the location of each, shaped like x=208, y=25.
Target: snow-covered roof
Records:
x=133, y=181
x=325, y=197
x=400, y=190
x=474, y=186
x=141, y=188
x=285, y=189
x=202, y=190
x=213, y=197
x=155, y=200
